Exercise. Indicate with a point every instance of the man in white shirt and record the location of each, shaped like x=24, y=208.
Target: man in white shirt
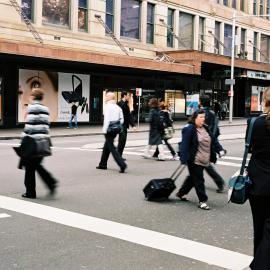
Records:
x=112, y=113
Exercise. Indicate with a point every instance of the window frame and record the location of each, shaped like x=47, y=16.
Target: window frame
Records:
x=171, y=26
x=255, y=45
x=111, y=15
x=201, y=41
x=32, y=10
x=192, y=36
x=150, y=23
x=85, y=9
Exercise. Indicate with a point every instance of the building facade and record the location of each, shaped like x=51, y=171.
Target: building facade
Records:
x=171, y=49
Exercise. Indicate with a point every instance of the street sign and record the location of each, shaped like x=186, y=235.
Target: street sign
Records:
x=138, y=92
x=230, y=81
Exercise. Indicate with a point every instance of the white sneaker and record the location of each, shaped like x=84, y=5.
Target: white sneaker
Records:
x=175, y=157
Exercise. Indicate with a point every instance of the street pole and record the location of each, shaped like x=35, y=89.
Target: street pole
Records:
x=232, y=68
x=139, y=108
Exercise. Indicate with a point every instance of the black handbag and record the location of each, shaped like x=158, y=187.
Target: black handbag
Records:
x=239, y=184
x=115, y=127
x=34, y=147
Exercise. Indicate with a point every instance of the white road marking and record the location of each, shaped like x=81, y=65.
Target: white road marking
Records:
x=168, y=243
x=4, y=215
x=231, y=164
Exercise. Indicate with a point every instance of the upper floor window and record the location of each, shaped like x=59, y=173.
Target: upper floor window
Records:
x=55, y=12
x=227, y=39
x=255, y=7
x=82, y=15
x=265, y=48
x=268, y=9
x=201, y=33
x=243, y=44
x=27, y=7
x=186, y=22
x=130, y=18
x=225, y=2
x=150, y=23
x=242, y=5
x=110, y=14
x=233, y=3
x=261, y=7
x=170, y=23
x=217, y=37
x=255, y=44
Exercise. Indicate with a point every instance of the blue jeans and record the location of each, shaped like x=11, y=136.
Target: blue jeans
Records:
x=73, y=116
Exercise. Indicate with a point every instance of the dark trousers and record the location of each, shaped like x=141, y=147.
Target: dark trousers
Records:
x=110, y=148
x=260, y=208
x=169, y=147
x=31, y=166
x=215, y=176
x=196, y=180
x=122, y=139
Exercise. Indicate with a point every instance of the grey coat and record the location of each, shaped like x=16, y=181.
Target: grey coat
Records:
x=155, y=132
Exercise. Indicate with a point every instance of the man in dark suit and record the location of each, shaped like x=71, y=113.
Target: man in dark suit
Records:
x=128, y=121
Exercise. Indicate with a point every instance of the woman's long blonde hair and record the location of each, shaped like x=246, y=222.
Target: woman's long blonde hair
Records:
x=266, y=103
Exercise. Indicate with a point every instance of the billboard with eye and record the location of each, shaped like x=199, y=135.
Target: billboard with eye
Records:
x=61, y=91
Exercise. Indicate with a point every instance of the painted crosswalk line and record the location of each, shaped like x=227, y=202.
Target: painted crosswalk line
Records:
x=3, y=215
x=194, y=250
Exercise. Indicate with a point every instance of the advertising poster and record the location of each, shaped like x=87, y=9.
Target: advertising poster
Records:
x=60, y=90
x=256, y=98
x=192, y=103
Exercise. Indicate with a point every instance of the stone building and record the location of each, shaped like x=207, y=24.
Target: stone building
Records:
x=171, y=49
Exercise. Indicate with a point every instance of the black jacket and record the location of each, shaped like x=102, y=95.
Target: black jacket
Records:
x=128, y=120
x=190, y=144
x=259, y=164
x=211, y=121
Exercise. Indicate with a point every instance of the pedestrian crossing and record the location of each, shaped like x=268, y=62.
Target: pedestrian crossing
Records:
x=3, y=215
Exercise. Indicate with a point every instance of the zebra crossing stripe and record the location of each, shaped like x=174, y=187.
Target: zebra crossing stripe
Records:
x=4, y=215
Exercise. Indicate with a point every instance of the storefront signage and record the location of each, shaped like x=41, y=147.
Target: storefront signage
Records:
x=60, y=91
x=192, y=103
x=258, y=75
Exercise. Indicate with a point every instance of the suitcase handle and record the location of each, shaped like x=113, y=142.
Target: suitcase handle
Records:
x=178, y=172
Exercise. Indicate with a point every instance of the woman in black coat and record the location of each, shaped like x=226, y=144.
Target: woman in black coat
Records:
x=259, y=198
x=155, y=132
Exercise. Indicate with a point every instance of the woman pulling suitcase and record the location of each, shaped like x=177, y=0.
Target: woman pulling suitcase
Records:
x=198, y=148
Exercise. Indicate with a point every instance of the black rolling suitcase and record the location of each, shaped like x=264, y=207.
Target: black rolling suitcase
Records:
x=161, y=189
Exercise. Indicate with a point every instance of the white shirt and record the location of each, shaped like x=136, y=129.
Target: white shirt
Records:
x=112, y=112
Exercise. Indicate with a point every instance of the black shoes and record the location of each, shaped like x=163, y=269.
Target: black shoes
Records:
x=101, y=167
x=122, y=170
x=25, y=195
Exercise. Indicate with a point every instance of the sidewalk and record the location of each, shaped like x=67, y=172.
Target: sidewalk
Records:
x=89, y=130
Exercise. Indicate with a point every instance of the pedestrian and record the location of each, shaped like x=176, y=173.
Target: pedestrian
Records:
x=112, y=114
x=259, y=196
x=168, y=123
x=223, y=110
x=128, y=121
x=217, y=109
x=211, y=121
x=198, y=148
x=73, y=115
x=36, y=126
x=155, y=132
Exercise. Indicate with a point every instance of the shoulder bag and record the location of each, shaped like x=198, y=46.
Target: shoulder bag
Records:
x=239, y=184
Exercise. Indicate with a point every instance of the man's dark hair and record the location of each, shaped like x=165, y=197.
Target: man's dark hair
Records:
x=205, y=100
x=123, y=93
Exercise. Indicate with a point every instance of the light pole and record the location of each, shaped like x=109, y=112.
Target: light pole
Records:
x=232, y=59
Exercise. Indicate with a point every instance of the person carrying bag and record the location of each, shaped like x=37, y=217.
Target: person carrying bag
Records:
x=239, y=184
x=35, y=145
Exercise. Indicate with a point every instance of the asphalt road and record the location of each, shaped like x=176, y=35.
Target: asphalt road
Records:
x=30, y=242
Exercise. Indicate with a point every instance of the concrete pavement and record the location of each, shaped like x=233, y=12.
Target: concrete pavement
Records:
x=90, y=130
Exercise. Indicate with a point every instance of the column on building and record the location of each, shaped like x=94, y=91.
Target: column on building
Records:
x=74, y=15
x=97, y=7
x=249, y=45
x=143, y=23
x=117, y=18
x=222, y=37
x=176, y=28
x=38, y=13
x=196, y=34
x=161, y=30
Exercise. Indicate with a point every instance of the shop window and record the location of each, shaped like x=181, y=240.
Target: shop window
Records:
x=56, y=12
x=175, y=99
x=227, y=39
x=110, y=15
x=170, y=23
x=28, y=8
x=186, y=22
x=82, y=15
x=130, y=18
x=201, y=33
x=150, y=23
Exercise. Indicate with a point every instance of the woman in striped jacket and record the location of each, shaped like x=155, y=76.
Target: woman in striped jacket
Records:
x=37, y=126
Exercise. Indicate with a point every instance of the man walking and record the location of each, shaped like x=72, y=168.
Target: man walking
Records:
x=73, y=116
x=112, y=114
x=212, y=122
x=123, y=104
